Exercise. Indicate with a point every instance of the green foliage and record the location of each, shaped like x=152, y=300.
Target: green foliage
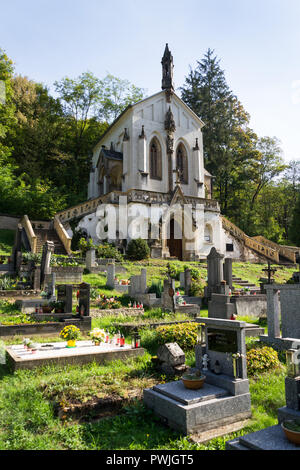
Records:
x=7, y=238
x=184, y=334
x=28, y=256
x=107, y=250
x=138, y=249
x=156, y=288
x=261, y=360
x=85, y=245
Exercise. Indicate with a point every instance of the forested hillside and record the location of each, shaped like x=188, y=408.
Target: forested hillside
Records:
x=46, y=142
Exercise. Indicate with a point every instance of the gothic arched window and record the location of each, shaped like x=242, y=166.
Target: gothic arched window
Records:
x=155, y=159
x=182, y=163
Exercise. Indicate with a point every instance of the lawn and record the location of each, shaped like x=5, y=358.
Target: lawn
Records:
x=7, y=238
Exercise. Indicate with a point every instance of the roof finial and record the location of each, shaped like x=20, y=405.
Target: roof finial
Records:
x=167, y=70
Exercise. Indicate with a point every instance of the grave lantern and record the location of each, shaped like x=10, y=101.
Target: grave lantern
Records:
x=293, y=369
x=135, y=340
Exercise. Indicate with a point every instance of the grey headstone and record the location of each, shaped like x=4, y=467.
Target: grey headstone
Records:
x=171, y=353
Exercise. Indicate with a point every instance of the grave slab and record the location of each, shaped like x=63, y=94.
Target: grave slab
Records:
x=178, y=392
x=272, y=438
x=57, y=353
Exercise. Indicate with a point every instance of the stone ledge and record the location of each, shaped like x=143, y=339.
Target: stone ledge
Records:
x=117, y=311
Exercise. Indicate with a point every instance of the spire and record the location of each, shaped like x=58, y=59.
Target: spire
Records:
x=167, y=70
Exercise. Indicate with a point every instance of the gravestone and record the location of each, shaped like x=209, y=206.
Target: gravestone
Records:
x=84, y=299
x=182, y=280
x=273, y=437
x=283, y=309
x=171, y=359
x=168, y=295
x=36, y=277
x=48, y=250
x=228, y=272
x=64, y=294
x=50, y=282
x=215, y=274
x=223, y=403
x=220, y=307
x=111, y=274
x=187, y=281
x=90, y=260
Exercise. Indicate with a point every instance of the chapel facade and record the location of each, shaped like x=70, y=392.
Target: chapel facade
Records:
x=152, y=154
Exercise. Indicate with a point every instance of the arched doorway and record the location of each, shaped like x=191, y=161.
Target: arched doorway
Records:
x=174, y=244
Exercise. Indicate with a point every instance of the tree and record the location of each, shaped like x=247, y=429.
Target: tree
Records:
x=229, y=144
x=295, y=224
x=7, y=116
x=116, y=95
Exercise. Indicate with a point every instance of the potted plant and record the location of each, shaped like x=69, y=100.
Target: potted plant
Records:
x=47, y=308
x=291, y=429
x=98, y=336
x=57, y=305
x=193, y=380
x=70, y=333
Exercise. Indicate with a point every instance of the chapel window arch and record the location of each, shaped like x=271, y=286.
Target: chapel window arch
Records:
x=155, y=158
x=182, y=163
x=208, y=233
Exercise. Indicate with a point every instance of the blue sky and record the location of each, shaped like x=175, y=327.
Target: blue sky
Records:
x=258, y=42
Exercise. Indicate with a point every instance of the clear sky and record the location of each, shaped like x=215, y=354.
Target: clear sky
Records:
x=258, y=42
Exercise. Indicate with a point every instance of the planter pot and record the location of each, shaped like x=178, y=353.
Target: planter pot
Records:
x=292, y=436
x=71, y=343
x=47, y=309
x=58, y=310
x=97, y=343
x=194, y=384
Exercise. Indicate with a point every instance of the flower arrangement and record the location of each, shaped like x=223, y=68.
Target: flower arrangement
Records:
x=108, y=302
x=179, y=299
x=70, y=332
x=97, y=335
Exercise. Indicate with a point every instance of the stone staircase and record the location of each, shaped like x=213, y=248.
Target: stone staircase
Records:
x=243, y=283
x=37, y=233
x=44, y=235
x=265, y=248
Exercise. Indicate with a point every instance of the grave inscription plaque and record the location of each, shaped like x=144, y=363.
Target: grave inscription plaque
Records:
x=222, y=340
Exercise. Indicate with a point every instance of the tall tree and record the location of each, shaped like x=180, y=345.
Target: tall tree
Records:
x=116, y=95
x=229, y=143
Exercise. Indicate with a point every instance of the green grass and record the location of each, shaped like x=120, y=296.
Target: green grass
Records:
x=7, y=238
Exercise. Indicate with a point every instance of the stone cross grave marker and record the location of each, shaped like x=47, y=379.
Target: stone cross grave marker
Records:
x=48, y=250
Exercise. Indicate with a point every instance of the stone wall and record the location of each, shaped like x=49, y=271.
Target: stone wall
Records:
x=250, y=305
x=130, y=312
x=9, y=223
x=68, y=273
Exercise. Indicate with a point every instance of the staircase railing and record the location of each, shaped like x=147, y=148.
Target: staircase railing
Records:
x=63, y=235
x=32, y=238
x=283, y=251
x=251, y=243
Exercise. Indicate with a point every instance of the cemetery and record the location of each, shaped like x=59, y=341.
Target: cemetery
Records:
x=173, y=334
x=149, y=257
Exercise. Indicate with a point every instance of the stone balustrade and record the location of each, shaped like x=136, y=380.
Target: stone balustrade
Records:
x=26, y=224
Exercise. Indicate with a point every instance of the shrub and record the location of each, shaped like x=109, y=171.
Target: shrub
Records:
x=107, y=250
x=184, y=334
x=138, y=249
x=85, y=245
x=28, y=256
x=261, y=359
x=174, y=271
x=197, y=288
x=156, y=288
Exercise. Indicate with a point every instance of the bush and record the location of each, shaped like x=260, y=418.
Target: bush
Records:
x=261, y=359
x=156, y=288
x=138, y=249
x=184, y=334
x=85, y=245
x=109, y=251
